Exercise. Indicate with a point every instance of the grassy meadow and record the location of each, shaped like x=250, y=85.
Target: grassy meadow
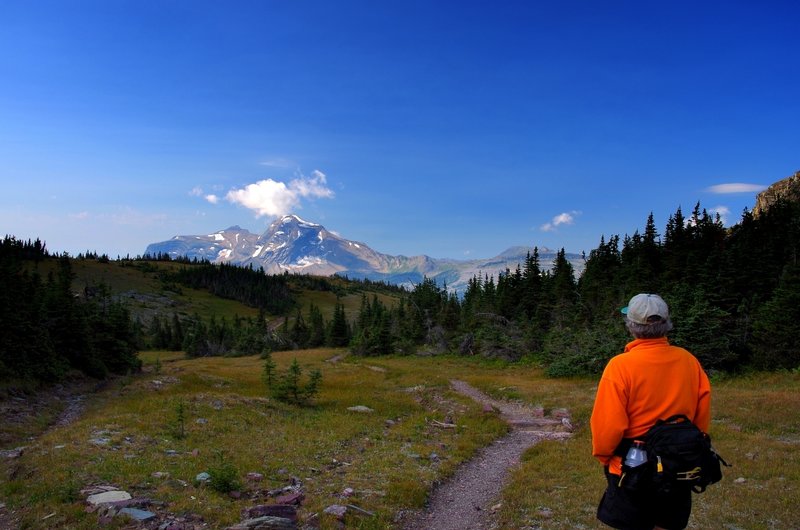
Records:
x=152, y=433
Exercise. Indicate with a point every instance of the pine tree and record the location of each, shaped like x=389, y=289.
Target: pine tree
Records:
x=339, y=334
x=777, y=325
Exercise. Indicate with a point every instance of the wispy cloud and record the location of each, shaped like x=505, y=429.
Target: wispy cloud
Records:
x=272, y=198
x=79, y=215
x=213, y=199
x=736, y=187
x=197, y=191
x=566, y=218
x=277, y=162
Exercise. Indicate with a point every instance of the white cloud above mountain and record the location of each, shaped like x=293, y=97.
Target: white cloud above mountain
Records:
x=565, y=218
x=273, y=198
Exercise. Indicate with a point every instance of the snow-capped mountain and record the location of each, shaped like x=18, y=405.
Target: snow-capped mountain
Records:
x=295, y=245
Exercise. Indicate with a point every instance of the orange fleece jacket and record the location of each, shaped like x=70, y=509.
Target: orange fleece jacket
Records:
x=651, y=380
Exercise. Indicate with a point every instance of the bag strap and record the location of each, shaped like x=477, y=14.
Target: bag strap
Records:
x=675, y=419
x=622, y=448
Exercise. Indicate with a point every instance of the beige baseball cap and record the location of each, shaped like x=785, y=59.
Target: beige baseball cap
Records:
x=643, y=307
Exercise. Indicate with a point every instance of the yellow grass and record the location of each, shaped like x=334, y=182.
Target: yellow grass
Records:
x=386, y=455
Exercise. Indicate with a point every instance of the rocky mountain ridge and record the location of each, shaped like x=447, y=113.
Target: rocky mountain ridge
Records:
x=299, y=246
x=787, y=189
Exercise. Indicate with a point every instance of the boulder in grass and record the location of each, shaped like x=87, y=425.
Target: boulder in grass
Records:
x=137, y=515
x=285, y=511
x=108, y=496
x=264, y=523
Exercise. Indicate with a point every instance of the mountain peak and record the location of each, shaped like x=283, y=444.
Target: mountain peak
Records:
x=294, y=244
x=294, y=219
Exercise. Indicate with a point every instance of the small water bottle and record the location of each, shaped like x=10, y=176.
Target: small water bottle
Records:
x=636, y=454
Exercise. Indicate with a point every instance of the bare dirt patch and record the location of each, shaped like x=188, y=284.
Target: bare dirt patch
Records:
x=467, y=501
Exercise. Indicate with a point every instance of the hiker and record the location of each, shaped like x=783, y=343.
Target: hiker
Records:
x=652, y=380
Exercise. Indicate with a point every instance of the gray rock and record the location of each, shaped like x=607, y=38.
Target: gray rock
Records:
x=203, y=477
x=264, y=523
x=137, y=514
x=284, y=511
x=360, y=408
x=13, y=453
x=336, y=510
x=108, y=496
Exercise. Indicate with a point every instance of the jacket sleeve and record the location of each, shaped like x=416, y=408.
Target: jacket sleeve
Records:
x=702, y=417
x=609, y=416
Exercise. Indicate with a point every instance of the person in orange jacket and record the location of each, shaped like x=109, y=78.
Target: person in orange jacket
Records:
x=650, y=380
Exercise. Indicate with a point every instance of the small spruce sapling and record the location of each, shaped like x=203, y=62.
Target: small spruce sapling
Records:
x=288, y=387
x=179, y=425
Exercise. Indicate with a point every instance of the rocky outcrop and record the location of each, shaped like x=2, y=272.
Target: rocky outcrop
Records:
x=787, y=189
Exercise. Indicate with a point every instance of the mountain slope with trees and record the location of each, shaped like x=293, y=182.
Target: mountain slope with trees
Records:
x=733, y=293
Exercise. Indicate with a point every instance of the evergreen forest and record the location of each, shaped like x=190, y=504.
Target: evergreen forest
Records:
x=734, y=296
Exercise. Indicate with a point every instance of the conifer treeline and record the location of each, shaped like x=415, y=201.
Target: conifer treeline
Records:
x=46, y=330
x=734, y=296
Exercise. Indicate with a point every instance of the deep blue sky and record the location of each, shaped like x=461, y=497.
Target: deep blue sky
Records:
x=453, y=129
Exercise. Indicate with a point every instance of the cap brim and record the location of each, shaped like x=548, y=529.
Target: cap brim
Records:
x=624, y=310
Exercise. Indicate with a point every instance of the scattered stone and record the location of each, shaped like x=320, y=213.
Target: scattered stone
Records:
x=360, y=408
x=61, y=446
x=217, y=404
x=545, y=513
x=433, y=457
x=264, y=523
x=294, y=499
x=13, y=453
x=348, y=492
x=255, y=477
x=336, y=510
x=108, y=496
x=488, y=408
x=496, y=507
x=100, y=441
x=175, y=525
x=171, y=452
x=389, y=423
x=273, y=510
x=137, y=514
x=560, y=413
x=176, y=483
x=195, y=452
x=202, y=477
x=160, y=474
x=751, y=456
x=235, y=494
x=740, y=480
x=201, y=421
x=91, y=490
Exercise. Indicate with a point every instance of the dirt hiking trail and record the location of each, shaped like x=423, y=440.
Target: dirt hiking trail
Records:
x=465, y=501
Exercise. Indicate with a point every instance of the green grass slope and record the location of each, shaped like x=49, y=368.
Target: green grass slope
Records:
x=129, y=436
